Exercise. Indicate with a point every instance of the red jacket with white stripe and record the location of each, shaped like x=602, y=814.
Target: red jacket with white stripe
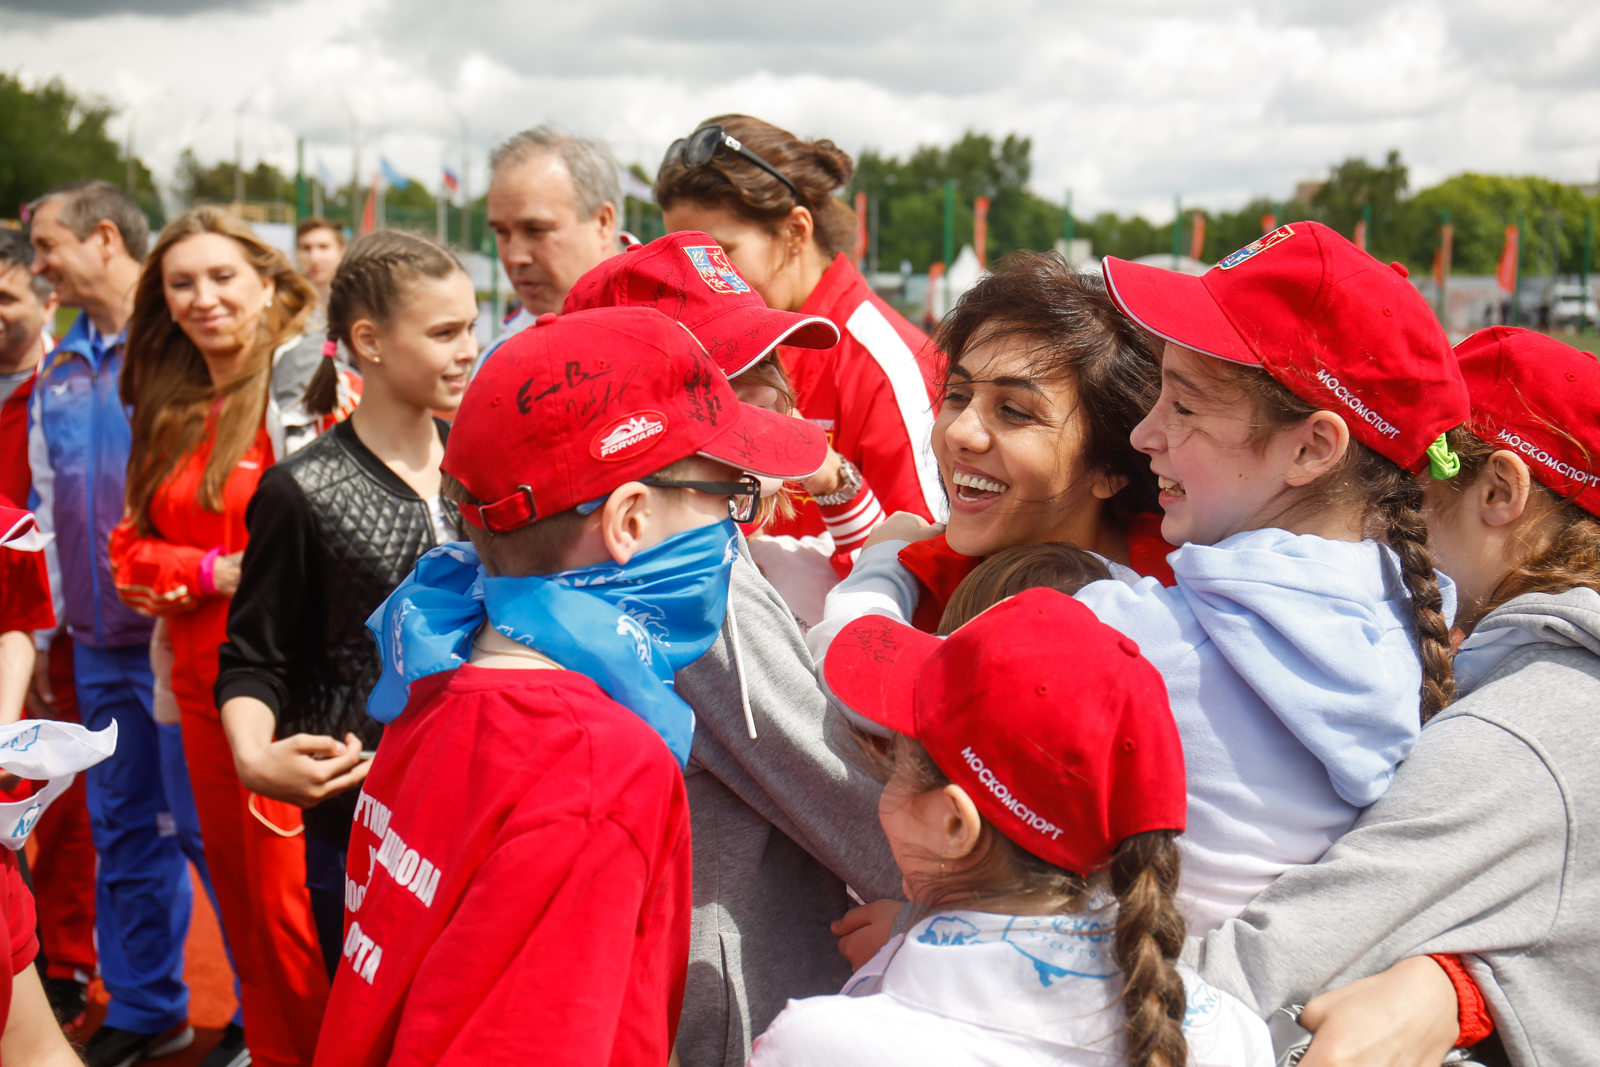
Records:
x=874, y=394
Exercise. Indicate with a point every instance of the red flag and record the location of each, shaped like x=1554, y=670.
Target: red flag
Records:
x=1506, y=275
x=861, y=230
x=369, y=213
x=1269, y=222
x=1360, y=239
x=1198, y=243
x=980, y=230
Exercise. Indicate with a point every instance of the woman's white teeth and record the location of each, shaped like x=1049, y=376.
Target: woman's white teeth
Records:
x=974, y=481
x=1170, y=486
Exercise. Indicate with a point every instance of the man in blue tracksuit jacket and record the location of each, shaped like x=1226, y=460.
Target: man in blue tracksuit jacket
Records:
x=88, y=239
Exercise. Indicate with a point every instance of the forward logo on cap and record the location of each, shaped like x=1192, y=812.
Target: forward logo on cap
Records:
x=628, y=436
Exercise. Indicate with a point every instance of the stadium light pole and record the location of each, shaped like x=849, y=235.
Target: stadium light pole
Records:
x=1177, y=228
x=949, y=222
x=1583, y=274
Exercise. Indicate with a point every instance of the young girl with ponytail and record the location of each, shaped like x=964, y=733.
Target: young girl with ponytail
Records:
x=1477, y=848
x=1304, y=385
x=333, y=530
x=1036, y=790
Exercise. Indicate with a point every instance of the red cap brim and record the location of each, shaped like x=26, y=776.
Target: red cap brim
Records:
x=772, y=445
x=744, y=335
x=1177, y=307
x=872, y=667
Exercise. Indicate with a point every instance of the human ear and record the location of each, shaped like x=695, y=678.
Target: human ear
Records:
x=797, y=229
x=625, y=521
x=364, y=340
x=606, y=220
x=1106, y=485
x=962, y=826
x=1320, y=444
x=110, y=237
x=1502, y=490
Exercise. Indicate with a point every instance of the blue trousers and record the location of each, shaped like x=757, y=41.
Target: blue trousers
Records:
x=142, y=892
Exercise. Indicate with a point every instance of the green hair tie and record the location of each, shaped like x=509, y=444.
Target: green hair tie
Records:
x=1443, y=464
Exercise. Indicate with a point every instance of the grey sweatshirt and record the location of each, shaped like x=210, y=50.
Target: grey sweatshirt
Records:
x=1487, y=844
x=780, y=824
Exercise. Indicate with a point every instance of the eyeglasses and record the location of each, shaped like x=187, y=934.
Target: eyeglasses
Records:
x=743, y=495
x=697, y=149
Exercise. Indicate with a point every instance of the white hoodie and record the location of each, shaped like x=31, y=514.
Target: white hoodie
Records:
x=974, y=989
x=1293, y=674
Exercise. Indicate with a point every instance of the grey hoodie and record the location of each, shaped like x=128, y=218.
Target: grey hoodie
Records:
x=780, y=824
x=1487, y=844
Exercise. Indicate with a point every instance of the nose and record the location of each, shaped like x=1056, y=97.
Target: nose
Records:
x=967, y=433
x=1148, y=437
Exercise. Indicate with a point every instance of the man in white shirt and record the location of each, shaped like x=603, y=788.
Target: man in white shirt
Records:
x=554, y=202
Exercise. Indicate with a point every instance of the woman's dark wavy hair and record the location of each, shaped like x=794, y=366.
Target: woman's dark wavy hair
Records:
x=1082, y=337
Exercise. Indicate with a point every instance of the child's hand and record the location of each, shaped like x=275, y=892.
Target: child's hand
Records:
x=903, y=526
x=864, y=930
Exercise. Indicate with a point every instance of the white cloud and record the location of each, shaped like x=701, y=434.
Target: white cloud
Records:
x=1127, y=103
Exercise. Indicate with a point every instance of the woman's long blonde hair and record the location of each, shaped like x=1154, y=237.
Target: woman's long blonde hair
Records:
x=165, y=380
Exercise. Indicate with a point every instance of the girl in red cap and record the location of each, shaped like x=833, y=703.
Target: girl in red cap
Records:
x=1304, y=384
x=1036, y=789
x=1474, y=848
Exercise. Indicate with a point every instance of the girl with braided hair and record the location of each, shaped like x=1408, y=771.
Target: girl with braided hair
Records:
x=1304, y=385
x=333, y=530
x=1034, y=796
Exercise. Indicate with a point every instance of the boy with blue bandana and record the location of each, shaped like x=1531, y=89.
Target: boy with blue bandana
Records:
x=526, y=868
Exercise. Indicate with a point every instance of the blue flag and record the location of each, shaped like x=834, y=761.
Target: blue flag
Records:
x=392, y=176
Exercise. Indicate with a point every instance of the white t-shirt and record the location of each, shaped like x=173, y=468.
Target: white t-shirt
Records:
x=974, y=989
x=444, y=531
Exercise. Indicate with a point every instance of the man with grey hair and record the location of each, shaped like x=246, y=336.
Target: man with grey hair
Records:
x=554, y=202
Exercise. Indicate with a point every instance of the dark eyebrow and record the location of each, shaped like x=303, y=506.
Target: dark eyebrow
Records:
x=1027, y=385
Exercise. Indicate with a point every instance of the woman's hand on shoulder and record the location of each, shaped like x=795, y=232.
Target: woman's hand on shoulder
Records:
x=865, y=930
x=903, y=526
x=1404, y=1017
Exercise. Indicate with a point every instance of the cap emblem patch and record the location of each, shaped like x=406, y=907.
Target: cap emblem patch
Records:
x=715, y=270
x=628, y=436
x=1256, y=247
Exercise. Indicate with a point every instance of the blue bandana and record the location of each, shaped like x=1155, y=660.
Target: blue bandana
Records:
x=628, y=627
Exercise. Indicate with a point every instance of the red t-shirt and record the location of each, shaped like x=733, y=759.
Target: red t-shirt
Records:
x=519, y=882
x=20, y=923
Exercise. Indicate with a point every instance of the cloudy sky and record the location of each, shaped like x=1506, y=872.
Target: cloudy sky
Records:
x=1128, y=101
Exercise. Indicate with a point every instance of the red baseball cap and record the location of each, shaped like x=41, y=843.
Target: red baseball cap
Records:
x=1327, y=321
x=1538, y=397
x=687, y=276
x=576, y=405
x=1051, y=720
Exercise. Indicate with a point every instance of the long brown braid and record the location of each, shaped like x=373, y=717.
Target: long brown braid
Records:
x=1144, y=876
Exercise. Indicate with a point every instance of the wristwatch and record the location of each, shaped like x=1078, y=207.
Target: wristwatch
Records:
x=849, y=486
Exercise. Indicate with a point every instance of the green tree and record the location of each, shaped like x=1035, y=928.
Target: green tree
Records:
x=199, y=184
x=1353, y=186
x=910, y=198
x=50, y=135
x=1481, y=207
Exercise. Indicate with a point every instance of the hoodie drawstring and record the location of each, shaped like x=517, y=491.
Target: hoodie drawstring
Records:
x=738, y=670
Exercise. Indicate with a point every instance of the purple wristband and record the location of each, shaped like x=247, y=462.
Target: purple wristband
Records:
x=208, y=563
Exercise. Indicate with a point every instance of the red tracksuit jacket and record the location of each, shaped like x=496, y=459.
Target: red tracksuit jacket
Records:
x=519, y=882
x=874, y=394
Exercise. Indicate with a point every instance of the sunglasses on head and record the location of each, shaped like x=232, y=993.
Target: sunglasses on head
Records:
x=697, y=149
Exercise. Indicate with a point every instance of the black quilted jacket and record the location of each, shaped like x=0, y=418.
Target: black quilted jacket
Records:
x=332, y=532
